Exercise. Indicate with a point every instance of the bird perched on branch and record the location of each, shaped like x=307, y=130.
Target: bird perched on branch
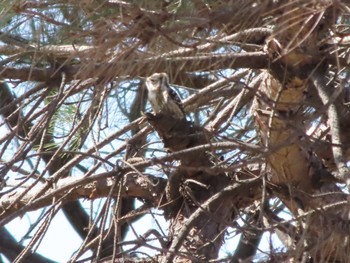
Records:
x=164, y=99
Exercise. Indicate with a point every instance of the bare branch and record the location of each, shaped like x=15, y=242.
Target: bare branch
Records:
x=96, y=186
x=141, y=67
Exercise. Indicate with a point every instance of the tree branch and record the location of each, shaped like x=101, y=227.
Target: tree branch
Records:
x=141, y=66
x=229, y=191
x=334, y=118
x=10, y=248
x=96, y=186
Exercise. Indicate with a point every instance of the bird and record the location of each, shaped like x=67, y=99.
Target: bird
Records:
x=162, y=98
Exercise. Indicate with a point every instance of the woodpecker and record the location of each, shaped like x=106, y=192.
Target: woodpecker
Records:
x=164, y=99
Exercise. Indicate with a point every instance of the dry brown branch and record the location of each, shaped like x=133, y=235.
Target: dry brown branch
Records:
x=79, y=136
x=206, y=208
x=143, y=67
x=96, y=186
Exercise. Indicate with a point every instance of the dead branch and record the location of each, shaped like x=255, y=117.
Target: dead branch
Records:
x=96, y=186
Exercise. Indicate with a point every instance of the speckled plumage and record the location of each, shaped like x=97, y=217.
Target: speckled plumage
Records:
x=163, y=99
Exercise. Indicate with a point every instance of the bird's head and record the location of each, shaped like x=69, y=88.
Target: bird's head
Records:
x=157, y=81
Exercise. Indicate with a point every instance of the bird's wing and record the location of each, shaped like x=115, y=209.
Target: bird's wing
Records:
x=175, y=97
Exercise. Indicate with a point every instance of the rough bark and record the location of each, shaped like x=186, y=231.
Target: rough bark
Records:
x=188, y=187
x=280, y=117
x=293, y=56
